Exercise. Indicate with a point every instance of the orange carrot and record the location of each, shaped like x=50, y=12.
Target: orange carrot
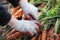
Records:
x=52, y=37
x=14, y=10
x=42, y=5
x=39, y=38
x=44, y=35
x=34, y=38
x=19, y=13
x=13, y=31
x=57, y=37
x=13, y=36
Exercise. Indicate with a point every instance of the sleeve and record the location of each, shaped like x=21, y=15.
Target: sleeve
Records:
x=14, y=2
x=4, y=16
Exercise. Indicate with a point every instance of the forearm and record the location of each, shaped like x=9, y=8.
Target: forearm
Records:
x=11, y=22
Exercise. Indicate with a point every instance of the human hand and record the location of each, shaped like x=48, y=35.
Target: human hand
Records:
x=25, y=26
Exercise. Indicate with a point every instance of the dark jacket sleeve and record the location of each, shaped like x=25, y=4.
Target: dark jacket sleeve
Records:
x=4, y=16
x=14, y=2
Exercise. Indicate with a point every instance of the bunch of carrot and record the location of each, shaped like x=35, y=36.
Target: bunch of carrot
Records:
x=50, y=21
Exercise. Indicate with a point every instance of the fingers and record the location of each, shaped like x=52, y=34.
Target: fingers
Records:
x=33, y=30
x=26, y=26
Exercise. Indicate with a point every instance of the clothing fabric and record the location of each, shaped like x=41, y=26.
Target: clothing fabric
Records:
x=4, y=16
x=14, y=2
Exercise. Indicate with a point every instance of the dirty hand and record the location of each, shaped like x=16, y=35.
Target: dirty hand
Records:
x=25, y=26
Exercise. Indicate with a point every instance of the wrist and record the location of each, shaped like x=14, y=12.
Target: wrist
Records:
x=11, y=22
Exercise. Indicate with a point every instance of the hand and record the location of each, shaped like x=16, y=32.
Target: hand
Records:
x=29, y=9
x=25, y=26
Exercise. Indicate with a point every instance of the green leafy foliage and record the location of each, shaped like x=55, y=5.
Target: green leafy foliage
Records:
x=50, y=13
x=1, y=38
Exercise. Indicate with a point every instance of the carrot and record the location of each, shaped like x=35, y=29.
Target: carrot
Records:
x=34, y=38
x=39, y=38
x=57, y=37
x=50, y=34
x=18, y=13
x=13, y=31
x=14, y=10
x=13, y=36
x=51, y=37
x=43, y=35
x=38, y=33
